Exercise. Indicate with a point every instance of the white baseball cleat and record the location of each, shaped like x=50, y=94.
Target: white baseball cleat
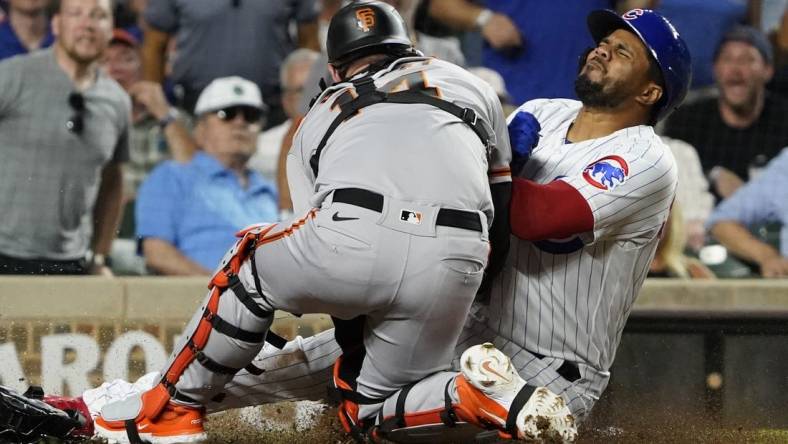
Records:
x=491, y=372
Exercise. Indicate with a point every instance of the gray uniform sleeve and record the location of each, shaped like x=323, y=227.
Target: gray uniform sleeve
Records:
x=162, y=15
x=501, y=155
x=300, y=184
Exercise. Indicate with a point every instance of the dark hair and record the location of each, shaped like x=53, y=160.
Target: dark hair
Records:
x=54, y=7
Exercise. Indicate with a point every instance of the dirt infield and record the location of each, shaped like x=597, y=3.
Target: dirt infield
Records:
x=230, y=428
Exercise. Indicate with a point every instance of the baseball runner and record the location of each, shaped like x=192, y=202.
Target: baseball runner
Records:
x=587, y=210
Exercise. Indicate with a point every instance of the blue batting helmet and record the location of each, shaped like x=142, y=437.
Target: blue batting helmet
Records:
x=663, y=43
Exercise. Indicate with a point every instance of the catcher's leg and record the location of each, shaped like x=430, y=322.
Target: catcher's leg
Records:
x=487, y=394
x=225, y=334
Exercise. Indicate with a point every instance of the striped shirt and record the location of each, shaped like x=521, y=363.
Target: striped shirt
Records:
x=569, y=298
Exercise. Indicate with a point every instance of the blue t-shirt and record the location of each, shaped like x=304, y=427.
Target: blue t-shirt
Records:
x=199, y=206
x=554, y=35
x=761, y=200
x=702, y=23
x=10, y=44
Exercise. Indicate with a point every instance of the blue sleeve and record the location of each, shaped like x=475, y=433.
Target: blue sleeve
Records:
x=156, y=208
x=757, y=201
x=162, y=15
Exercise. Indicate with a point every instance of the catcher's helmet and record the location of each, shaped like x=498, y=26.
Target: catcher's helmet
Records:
x=362, y=27
x=663, y=43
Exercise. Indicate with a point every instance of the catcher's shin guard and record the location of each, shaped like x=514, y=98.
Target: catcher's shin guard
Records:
x=487, y=394
x=342, y=391
x=223, y=337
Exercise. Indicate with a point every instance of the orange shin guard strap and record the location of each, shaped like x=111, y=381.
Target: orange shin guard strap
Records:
x=197, y=342
x=154, y=400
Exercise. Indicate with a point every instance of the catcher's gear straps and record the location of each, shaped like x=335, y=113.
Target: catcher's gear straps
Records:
x=459, y=416
x=349, y=334
x=368, y=95
x=155, y=399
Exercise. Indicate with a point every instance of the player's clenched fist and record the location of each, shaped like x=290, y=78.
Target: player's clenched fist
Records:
x=524, y=136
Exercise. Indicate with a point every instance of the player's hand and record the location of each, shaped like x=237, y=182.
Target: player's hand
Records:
x=775, y=267
x=725, y=181
x=500, y=32
x=696, y=234
x=151, y=96
x=524, y=136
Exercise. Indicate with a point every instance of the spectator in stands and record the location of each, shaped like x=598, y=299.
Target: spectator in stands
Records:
x=692, y=193
x=764, y=199
x=743, y=128
x=64, y=128
x=703, y=37
x=156, y=133
x=533, y=44
x=247, y=38
x=25, y=28
x=669, y=260
x=187, y=214
x=292, y=76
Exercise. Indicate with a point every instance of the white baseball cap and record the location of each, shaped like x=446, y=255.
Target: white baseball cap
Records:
x=493, y=79
x=225, y=92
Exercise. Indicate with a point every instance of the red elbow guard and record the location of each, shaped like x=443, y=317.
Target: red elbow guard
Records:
x=551, y=211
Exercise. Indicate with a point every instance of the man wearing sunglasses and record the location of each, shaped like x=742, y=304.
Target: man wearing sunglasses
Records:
x=64, y=135
x=187, y=213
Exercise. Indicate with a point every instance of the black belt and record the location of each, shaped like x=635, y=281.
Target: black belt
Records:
x=370, y=200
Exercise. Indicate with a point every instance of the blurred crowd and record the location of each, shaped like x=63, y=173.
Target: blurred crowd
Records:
x=139, y=135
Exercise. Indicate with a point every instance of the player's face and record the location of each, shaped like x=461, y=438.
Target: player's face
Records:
x=234, y=137
x=123, y=64
x=615, y=71
x=741, y=74
x=83, y=28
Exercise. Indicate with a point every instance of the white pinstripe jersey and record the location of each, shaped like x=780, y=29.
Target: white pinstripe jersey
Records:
x=569, y=298
x=414, y=152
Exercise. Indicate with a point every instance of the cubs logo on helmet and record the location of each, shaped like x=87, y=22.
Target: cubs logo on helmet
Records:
x=607, y=172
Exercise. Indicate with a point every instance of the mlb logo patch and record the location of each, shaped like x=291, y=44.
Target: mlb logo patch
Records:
x=411, y=217
x=607, y=172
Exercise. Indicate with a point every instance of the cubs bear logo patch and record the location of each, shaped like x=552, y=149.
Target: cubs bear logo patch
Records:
x=607, y=172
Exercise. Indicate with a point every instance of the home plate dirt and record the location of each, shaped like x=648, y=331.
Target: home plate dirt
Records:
x=315, y=423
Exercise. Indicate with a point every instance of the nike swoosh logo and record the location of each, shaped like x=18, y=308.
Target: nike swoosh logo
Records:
x=142, y=427
x=486, y=366
x=336, y=217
